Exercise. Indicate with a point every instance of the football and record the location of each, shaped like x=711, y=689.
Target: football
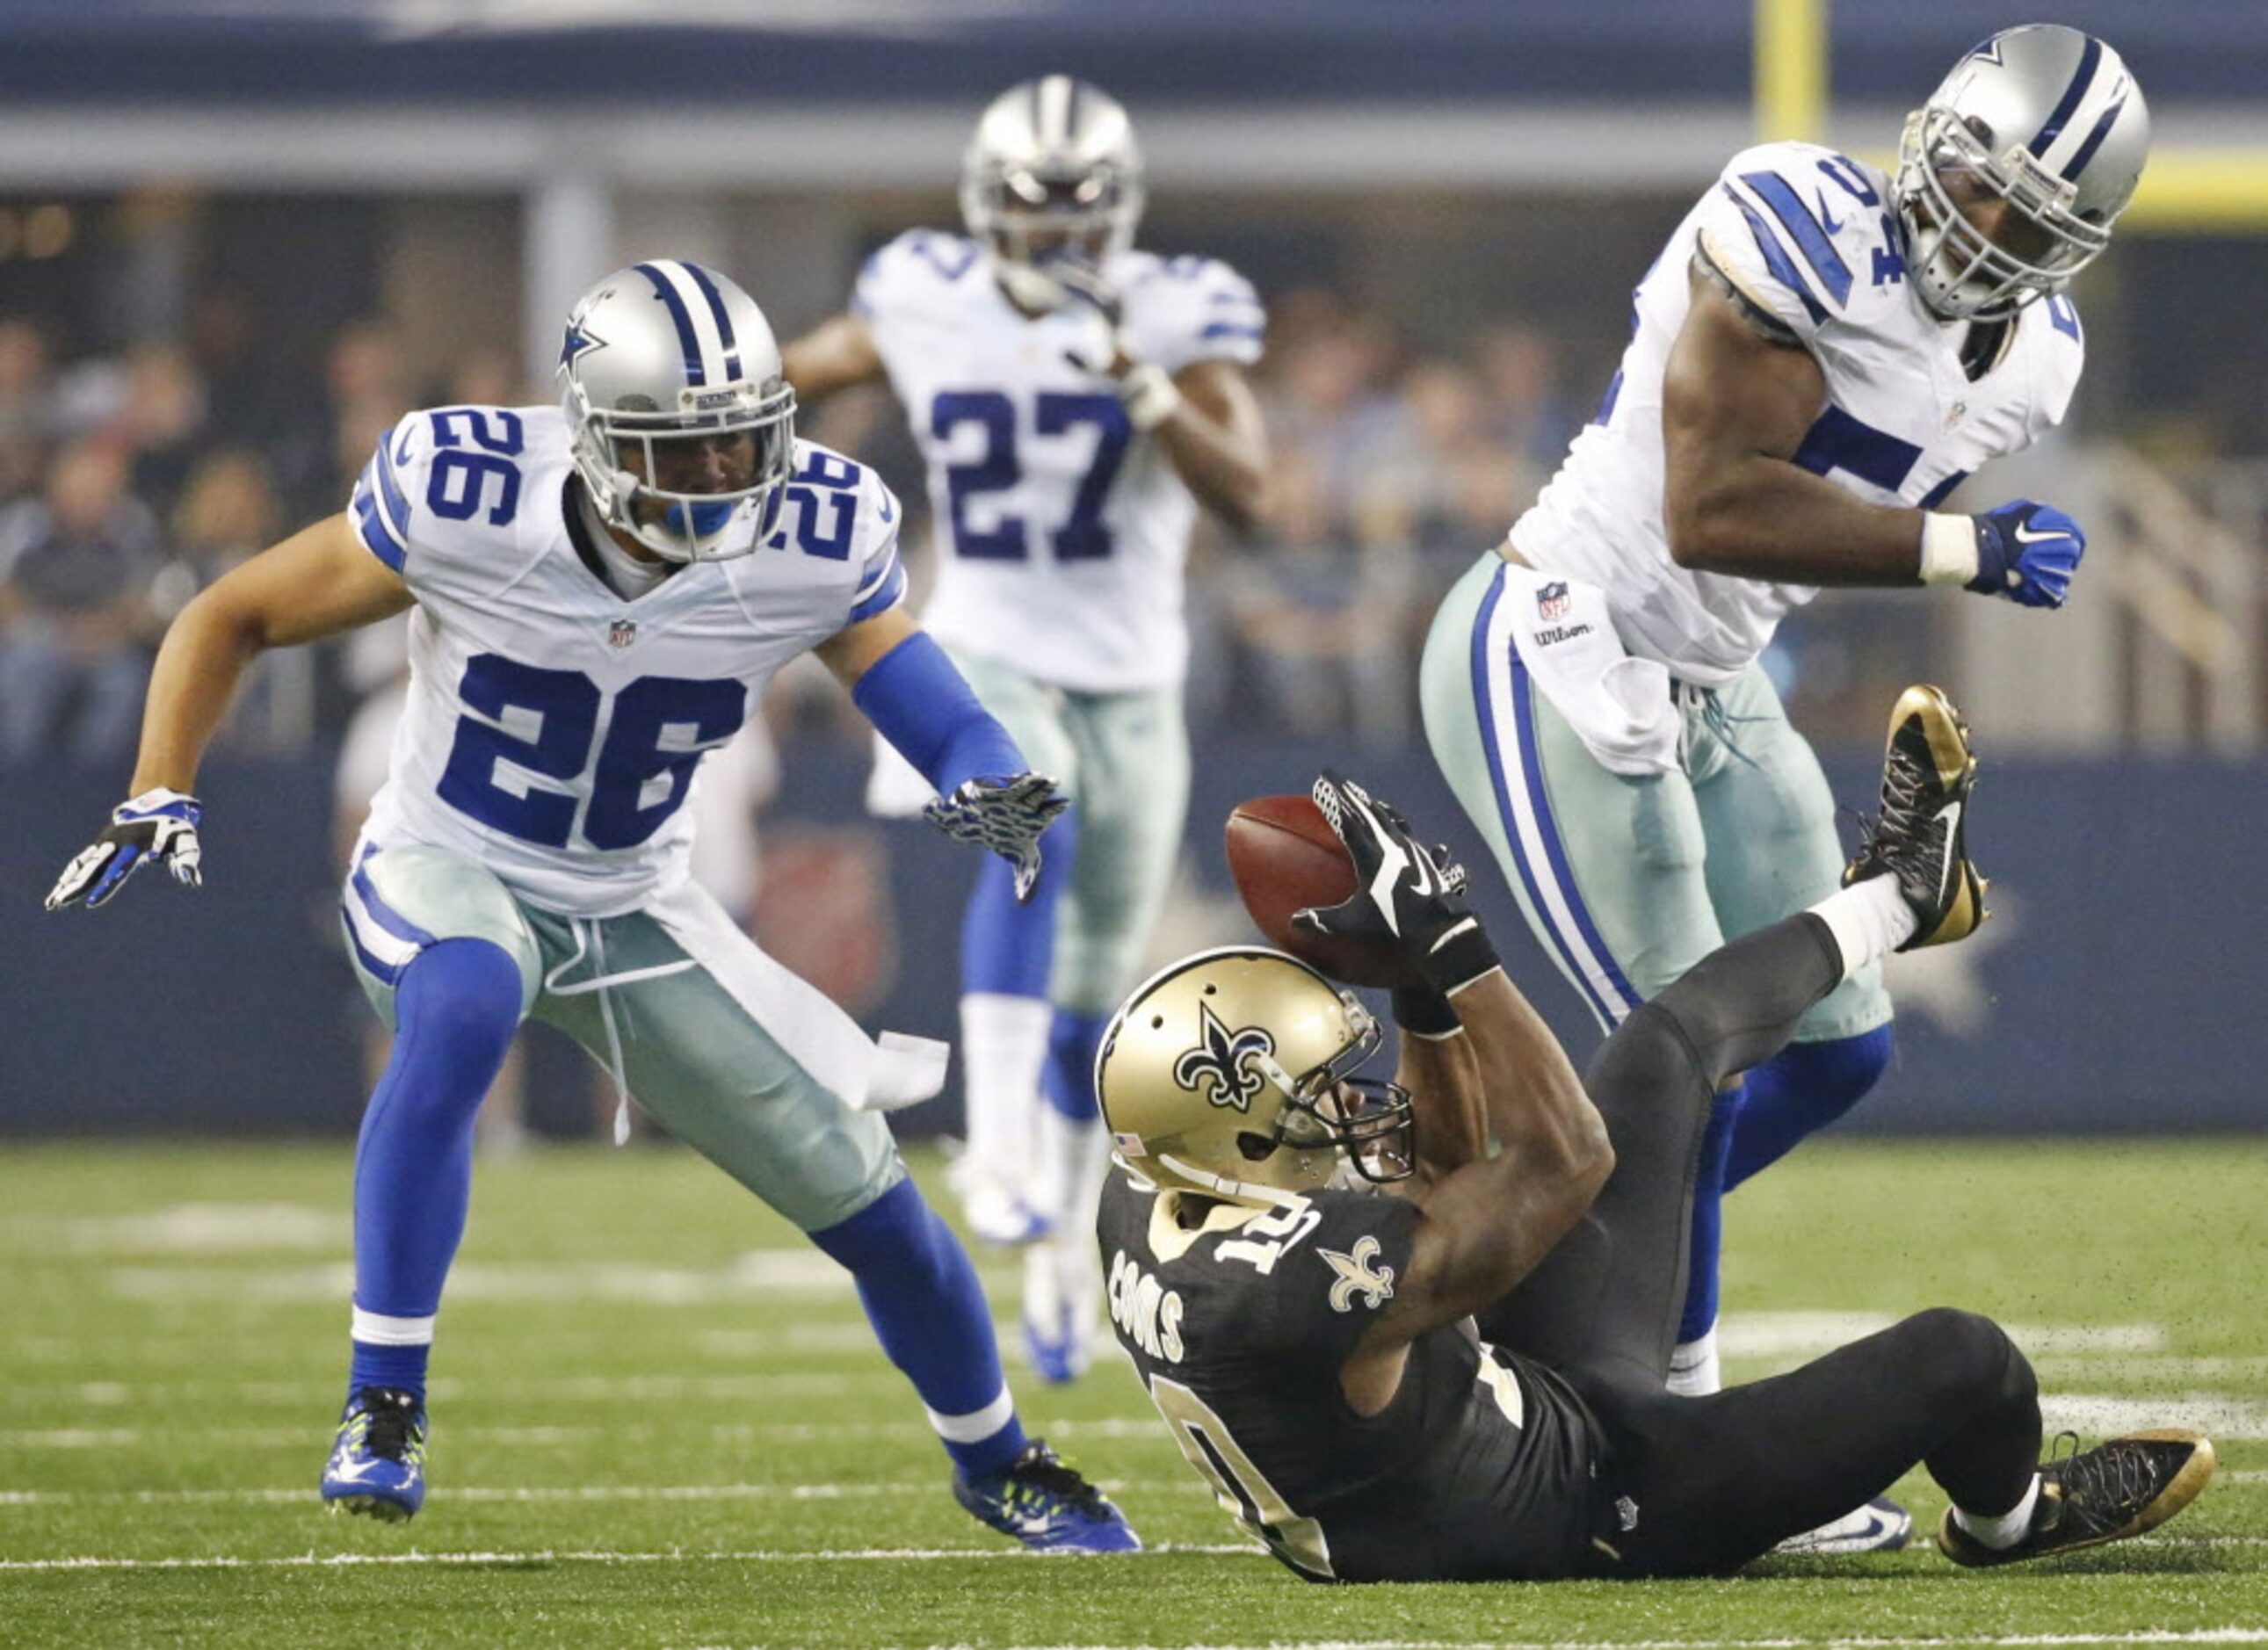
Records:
x=1284, y=858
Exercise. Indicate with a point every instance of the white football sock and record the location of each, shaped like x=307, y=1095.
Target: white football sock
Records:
x=1868, y=919
x=2007, y=1529
x=1004, y=1043
x=1694, y=1371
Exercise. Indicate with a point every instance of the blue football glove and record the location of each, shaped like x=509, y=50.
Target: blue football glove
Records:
x=157, y=827
x=1005, y=815
x=2027, y=553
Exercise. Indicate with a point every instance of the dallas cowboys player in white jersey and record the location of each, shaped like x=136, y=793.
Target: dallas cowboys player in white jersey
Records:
x=602, y=590
x=1820, y=355
x=1077, y=400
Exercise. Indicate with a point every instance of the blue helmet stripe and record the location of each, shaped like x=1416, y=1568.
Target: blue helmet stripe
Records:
x=2089, y=61
x=716, y=311
x=694, y=373
x=2094, y=139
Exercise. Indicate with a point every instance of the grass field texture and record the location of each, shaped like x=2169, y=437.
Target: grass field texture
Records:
x=660, y=1420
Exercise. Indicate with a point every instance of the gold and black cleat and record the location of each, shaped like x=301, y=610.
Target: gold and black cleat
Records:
x=2108, y=1493
x=1920, y=836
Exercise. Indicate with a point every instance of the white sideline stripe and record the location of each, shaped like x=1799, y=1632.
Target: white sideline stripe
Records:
x=1777, y=1335
x=299, y=1493
x=348, y=1560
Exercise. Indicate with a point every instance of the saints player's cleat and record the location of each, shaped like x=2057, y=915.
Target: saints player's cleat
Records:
x=378, y=1460
x=1046, y=1506
x=1881, y=1525
x=2107, y=1493
x=1920, y=839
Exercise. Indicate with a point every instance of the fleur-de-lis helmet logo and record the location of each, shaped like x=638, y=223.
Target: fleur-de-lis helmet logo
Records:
x=1226, y=1068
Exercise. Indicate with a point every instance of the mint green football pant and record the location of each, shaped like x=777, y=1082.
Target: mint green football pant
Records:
x=735, y=1055
x=1628, y=882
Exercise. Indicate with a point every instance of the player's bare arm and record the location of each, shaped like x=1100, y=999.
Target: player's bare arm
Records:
x=1492, y=1219
x=1218, y=443
x=321, y=582
x=838, y=354
x=854, y=649
x=1738, y=397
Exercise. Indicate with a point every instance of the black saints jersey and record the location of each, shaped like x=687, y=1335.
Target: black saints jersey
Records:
x=1481, y=1467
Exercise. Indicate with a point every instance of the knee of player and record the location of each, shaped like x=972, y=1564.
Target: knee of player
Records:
x=1968, y=1350
x=468, y=990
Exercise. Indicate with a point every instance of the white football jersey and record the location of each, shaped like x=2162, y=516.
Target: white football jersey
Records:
x=553, y=727
x=1812, y=238
x=1061, y=532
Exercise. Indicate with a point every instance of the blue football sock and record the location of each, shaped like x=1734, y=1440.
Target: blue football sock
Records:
x=1007, y=949
x=1073, y=1043
x=399, y=1367
x=928, y=1310
x=456, y=1006
x=1708, y=1219
x=1801, y=1089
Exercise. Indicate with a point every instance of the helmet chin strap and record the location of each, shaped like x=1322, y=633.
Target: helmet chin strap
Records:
x=1234, y=1190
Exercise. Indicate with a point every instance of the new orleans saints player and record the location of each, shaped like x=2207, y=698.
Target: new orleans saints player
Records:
x=1312, y=1345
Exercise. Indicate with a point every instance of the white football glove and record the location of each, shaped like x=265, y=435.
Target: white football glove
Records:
x=159, y=826
x=1005, y=815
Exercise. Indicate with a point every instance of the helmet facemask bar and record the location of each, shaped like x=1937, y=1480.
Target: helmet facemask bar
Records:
x=1368, y=1120
x=1958, y=271
x=686, y=527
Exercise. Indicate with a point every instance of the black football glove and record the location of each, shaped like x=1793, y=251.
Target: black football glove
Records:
x=1405, y=893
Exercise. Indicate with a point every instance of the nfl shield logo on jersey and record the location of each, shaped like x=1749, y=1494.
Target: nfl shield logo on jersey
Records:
x=622, y=633
x=1551, y=600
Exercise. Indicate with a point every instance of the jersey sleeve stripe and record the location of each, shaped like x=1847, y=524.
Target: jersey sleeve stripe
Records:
x=1810, y=237
x=371, y=525
x=1231, y=329
x=1776, y=259
x=391, y=499
x=878, y=596
x=688, y=340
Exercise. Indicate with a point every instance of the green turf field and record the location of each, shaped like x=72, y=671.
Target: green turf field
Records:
x=658, y=1421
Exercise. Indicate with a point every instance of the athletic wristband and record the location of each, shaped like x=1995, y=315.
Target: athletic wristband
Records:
x=1149, y=395
x=1457, y=958
x=1425, y=1013
x=1948, y=549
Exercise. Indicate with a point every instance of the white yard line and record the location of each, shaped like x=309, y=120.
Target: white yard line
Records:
x=294, y=1495
x=349, y=1560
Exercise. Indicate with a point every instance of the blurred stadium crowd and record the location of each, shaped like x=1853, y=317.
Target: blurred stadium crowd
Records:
x=131, y=480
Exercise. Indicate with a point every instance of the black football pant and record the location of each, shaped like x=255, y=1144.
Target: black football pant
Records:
x=1719, y=1480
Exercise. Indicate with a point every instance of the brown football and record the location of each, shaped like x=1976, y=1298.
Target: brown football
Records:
x=1285, y=858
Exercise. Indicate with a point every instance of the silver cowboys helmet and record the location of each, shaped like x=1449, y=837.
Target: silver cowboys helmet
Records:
x=666, y=352
x=2043, y=118
x=1231, y=1074
x=1053, y=167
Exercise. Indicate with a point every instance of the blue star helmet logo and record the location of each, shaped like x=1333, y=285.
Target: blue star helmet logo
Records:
x=578, y=342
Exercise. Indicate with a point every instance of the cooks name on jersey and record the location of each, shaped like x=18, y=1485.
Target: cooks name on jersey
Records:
x=1146, y=1310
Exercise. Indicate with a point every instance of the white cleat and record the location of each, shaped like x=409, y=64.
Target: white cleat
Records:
x=1881, y=1525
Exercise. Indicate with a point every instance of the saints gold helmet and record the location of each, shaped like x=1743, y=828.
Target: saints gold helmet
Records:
x=1231, y=1074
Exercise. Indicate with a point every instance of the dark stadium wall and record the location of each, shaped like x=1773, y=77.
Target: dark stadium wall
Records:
x=2116, y=989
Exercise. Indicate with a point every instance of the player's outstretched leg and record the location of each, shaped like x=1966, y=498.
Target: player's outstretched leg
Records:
x=2116, y=1490
x=928, y=1310
x=1062, y=1275
x=1007, y=954
x=456, y=1005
